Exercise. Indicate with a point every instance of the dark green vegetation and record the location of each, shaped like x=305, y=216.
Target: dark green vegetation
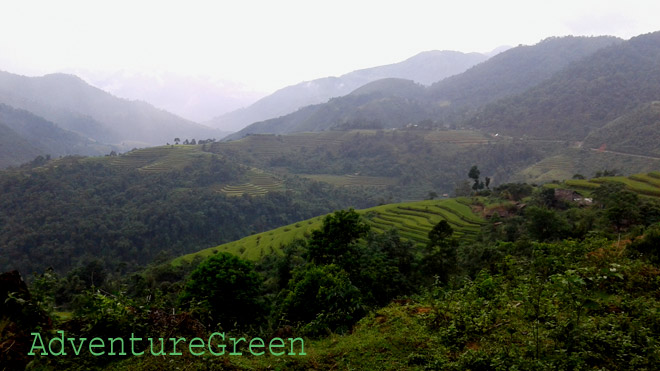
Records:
x=127, y=210
x=548, y=281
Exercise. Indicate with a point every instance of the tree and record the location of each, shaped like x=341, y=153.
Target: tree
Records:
x=176, y=140
x=335, y=241
x=440, y=260
x=440, y=232
x=474, y=175
x=324, y=299
x=226, y=290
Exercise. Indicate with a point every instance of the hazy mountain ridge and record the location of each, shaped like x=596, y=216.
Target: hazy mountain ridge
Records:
x=426, y=67
x=195, y=98
x=447, y=102
x=73, y=104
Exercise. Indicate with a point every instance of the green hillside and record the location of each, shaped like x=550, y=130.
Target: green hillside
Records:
x=636, y=132
x=414, y=220
x=585, y=161
x=644, y=184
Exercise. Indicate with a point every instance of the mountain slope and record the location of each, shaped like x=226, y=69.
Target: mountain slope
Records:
x=425, y=68
x=14, y=150
x=25, y=136
x=583, y=97
x=74, y=105
x=380, y=104
x=515, y=70
x=637, y=132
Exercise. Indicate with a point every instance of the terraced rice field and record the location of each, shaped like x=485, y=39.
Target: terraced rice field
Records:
x=551, y=168
x=459, y=137
x=259, y=184
x=644, y=184
x=157, y=159
x=414, y=220
x=351, y=180
x=269, y=145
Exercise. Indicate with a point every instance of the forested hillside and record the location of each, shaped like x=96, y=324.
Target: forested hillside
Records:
x=583, y=97
x=66, y=213
x=545, y=282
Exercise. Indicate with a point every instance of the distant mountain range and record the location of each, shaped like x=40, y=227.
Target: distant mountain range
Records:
x=425, y=68
x=61, y=114
x=195, y=98
x=396, y=103
x=24, y=136
x=596, y=90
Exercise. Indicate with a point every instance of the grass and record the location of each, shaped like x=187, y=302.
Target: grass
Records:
x=413, y=220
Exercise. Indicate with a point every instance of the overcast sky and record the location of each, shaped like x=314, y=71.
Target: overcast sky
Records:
x=273, y=43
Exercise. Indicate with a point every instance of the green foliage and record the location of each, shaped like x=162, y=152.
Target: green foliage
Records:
x=323, y=299
x=334, y=243
x=545, y=224
x=227, y=290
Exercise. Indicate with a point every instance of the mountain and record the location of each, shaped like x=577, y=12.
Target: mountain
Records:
x=195, y=98
x=424, y=68
x=394, y=103
x=514, y=71
x=583, y=97
x=72, y=104
x=23, y=136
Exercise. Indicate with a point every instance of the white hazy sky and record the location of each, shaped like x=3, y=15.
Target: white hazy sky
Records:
x=272, y=43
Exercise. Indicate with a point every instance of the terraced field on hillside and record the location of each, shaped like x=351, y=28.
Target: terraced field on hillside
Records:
x=414, y=220
x=548, y=169
x=259, y=183
x=644, y=184
x=158, y=159
x=458, y=137
x=271, y=144
x=351, y=180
